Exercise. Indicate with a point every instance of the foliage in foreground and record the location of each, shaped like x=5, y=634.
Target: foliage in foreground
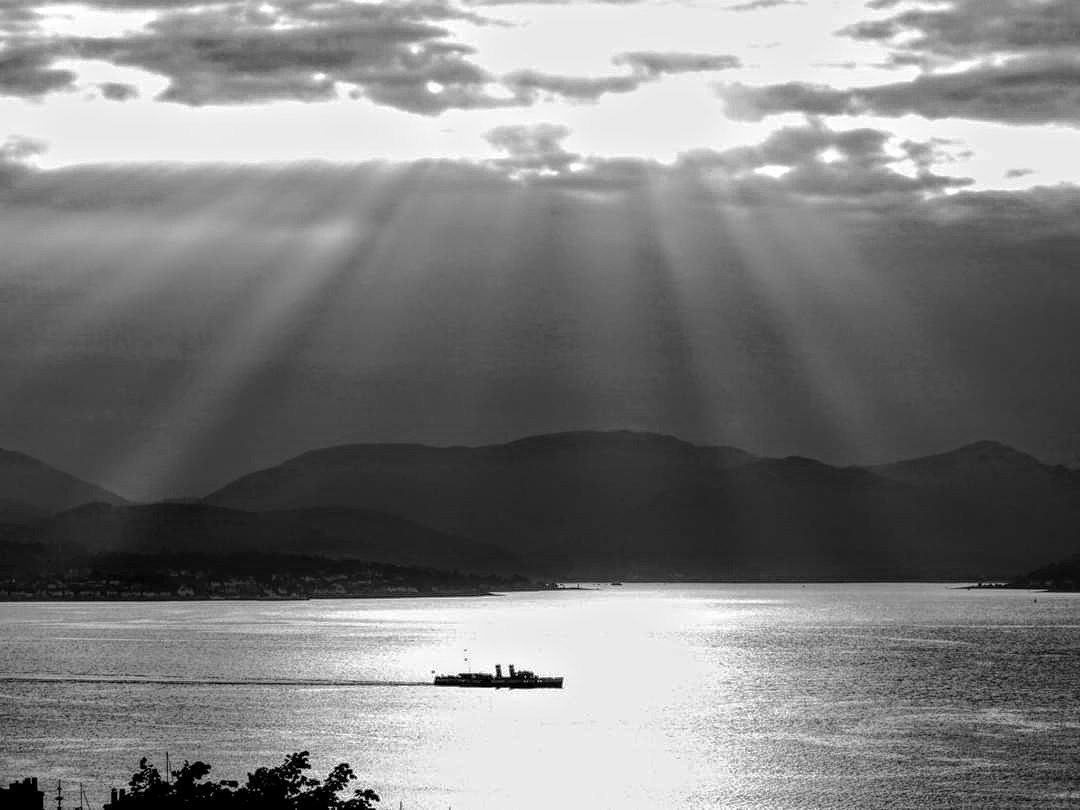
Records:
x=284, y=787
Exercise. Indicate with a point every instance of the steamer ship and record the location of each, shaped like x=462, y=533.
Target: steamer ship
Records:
x=516, y=679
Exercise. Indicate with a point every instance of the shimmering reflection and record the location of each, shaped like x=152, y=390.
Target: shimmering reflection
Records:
x=676, y=696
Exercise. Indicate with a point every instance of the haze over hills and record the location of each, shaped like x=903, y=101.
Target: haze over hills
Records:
x=630, y=504
x=524, y=495
x=30, y=489
x=983, y=469
x=1062, y=575
x=621, y=504
x=172, y=528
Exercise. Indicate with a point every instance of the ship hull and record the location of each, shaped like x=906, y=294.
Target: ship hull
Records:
x=539, y=683
x=484, y=681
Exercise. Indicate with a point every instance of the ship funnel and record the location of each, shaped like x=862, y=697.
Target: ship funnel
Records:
x=511, y=670
x=498, y=670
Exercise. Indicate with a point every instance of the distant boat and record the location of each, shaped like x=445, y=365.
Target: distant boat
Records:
x=617, y=583
x=517, y=679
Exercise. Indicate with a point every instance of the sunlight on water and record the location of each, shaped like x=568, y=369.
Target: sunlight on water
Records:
x=675, y=696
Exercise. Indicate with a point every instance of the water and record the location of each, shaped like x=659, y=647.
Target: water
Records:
x=787, y=696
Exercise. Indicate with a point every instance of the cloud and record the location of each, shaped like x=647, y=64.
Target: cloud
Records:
x=754, y=103
x=795, y=146
x=536, y=156
x=849, y=171
x=234, y=53
x=1048, y=216
x=624, y=177
x=19, y=148
x=117, y=91
x=658, y=63
x=1036, y=90
x=845, y=169
x=857, y=171
x=1027, y=72
x=757, y=5
x=531, y=85
x=550, y=2
x=973, y=28
x=14, y=153
x=307, y=9
x=26, y=70
x=18, y=19
x=387, y=57
x=862, y=184
x=1026, y=91
x=399, y=55
x=536, y=148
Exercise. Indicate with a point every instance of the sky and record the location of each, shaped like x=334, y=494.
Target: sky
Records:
x=233, y=231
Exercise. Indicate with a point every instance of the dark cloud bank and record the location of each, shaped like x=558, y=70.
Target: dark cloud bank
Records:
x=165, y=328
x=230, y=52
x=990, y=60
x=1026, y=91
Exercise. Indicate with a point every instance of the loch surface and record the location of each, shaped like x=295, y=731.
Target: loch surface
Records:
x=688, y=696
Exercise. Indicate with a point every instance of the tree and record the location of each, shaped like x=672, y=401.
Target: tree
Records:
x=284, y=787
x=147, y=784
x=289, y=787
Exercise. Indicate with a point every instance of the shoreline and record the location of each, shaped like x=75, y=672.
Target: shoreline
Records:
x=250, y=598
x=456, y=594
x=78, y=600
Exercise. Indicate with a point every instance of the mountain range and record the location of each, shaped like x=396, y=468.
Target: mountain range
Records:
x=593, y=505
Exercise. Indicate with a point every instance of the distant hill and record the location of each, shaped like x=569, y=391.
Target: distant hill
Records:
x=521, y=496
x=593, y=505
x=650, y=506
x=985, y=469
x=14, y=512
x=376, y=536
x=165, y=527
x=30, y=488
x=1059, y=576
x=171, y=528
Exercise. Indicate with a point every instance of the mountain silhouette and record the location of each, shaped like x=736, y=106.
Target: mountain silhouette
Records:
x=30, y=489
x=636, y=504
x=1058, y=576
x=605, y=505
x=518, y=496
x=983, y=469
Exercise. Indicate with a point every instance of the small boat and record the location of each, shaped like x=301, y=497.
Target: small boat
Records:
x=517, y=679
x=619, y=584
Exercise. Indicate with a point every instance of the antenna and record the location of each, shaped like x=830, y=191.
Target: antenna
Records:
x=168, y=770
x=59, y=795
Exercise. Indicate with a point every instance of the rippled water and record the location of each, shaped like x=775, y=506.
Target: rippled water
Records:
x=788, y=696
